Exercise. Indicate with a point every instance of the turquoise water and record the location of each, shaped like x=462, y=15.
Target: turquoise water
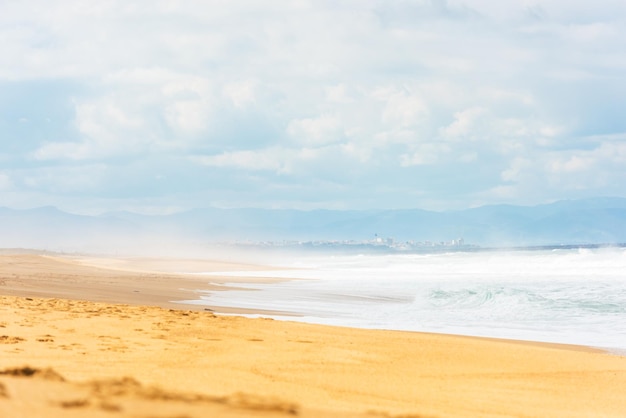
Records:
x=573, y=296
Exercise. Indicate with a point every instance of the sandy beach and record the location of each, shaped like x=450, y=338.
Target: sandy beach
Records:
x=101, y=337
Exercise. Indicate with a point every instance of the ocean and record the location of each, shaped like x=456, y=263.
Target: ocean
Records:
x=570, y=296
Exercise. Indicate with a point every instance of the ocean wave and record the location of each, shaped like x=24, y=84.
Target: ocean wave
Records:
x=570, y=296
x=570, y=300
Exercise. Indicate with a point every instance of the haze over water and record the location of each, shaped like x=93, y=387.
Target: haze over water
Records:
x=575, y=296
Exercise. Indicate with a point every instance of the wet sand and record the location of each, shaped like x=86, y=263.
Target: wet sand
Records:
x=97, y=337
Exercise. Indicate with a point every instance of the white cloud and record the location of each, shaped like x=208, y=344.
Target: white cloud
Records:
x=511, y=90
x=321, y=130
x=109, y=127
x=339, y=93
x=5, y=182
x=571, y=164
x=539, y=175
x=516, y=169
x=467, y=124
x=404, y=110
x=144, y=111
x=152, y=76
x=241, y=93
x=272, y=160
x=600, y=168
x=188, y=117
x=356, y=151
x=426, y=154
x=66, y=180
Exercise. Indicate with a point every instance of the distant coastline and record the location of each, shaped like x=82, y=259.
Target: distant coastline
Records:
x=582, y=223
x=392, y=247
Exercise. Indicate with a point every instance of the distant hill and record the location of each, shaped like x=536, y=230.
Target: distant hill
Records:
x=588, y=221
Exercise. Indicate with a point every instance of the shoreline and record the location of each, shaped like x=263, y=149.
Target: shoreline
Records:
x=143, y=356
x=163, y=277
x=154, y=282
x=125, y=280
x=313, y=289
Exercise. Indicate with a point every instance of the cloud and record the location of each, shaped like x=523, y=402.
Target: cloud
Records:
x=272, y=160
x=466, y=124
x=316, y=131
x=402, y=109
x=5, y=182
x=594, y=168
x=413, y=101
x=64, y=180
x=426, y=154
x=107, y=127
x=241, y=93
x=145, y=111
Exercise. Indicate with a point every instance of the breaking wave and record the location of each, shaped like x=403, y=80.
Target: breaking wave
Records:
x=568, y=296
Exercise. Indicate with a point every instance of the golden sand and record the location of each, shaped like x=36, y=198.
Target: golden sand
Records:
x=64, y=352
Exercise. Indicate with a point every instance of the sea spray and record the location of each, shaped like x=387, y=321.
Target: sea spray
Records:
x=574, y=296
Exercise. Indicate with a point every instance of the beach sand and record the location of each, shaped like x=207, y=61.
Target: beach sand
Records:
x=97, y=337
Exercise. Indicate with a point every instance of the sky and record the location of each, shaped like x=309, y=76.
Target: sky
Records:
x=162, y=106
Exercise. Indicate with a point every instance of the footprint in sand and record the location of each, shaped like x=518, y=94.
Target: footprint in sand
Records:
x=46, y=339
x=47, y=374
x=110, y=343
x=160, y=326
x=65, y=347
x=7, y=339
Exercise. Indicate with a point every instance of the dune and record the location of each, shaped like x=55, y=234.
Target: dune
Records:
x=101, y=338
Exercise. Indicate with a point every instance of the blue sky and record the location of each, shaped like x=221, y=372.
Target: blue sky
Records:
x=158, y=106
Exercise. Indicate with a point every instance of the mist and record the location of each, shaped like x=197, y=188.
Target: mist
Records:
x=227, y=231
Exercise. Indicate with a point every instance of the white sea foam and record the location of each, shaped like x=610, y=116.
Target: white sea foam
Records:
x=565, y=296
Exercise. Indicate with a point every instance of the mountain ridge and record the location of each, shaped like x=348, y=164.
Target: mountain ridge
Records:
x=585, y=221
